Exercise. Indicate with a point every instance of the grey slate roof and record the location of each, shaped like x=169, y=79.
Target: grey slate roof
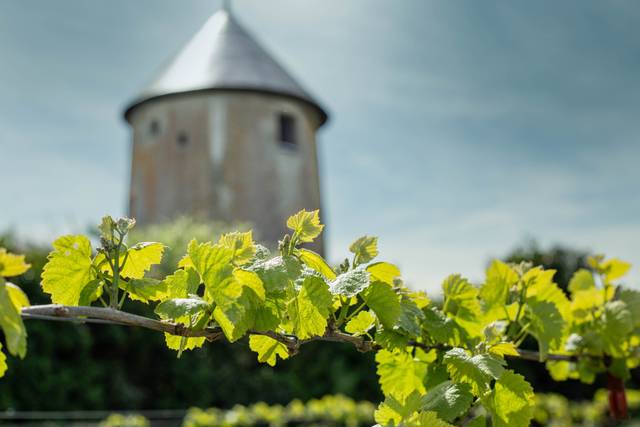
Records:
x=223, y=55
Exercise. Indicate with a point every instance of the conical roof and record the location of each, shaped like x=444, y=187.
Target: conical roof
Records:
x=223, y=56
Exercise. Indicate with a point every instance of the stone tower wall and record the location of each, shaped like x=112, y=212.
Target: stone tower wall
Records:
x=217, y=155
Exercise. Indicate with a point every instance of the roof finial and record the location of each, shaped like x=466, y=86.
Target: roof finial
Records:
x=226, y=6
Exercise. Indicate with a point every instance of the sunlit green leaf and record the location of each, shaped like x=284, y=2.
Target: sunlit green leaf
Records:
x=241, y=246
x=140, y=258
x=17, y=296
x=68, y=269
x=309, y=310
x=12, y=265
x=361, y=323
x=477, y=371
x=400, y=374
x=461, y=298
x=448, y=400
x=384, y=302
x=394, y=410
x=546, y=324
x=511, y=401
x=617, y=323
x=316, y=262
x=145, y=290
x=11, y=323
x=365, y=249
x=411, y=317
x=3, y=362
x=384, y=272
x=182, y=283
x=581, y=280
x=268, y=349
x=305, y=225
x=500, y=278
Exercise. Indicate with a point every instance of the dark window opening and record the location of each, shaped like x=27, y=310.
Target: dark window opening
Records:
x=154, y=127
x=287, y=131
x=183, y=139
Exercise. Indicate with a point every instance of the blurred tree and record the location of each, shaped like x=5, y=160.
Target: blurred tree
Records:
x=563, y=259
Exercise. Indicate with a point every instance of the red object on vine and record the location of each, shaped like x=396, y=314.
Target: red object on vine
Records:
x=617, y=398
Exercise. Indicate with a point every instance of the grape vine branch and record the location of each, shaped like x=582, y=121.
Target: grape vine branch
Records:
x=75, y=314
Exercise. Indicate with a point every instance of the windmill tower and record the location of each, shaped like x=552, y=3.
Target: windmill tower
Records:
x=225, y=133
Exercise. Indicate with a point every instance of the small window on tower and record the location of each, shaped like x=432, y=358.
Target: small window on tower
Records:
x=183, y=139
x=154, y=127
x=287, y=126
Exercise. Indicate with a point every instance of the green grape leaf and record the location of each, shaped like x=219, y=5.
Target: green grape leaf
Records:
x=208, y=259
x=144, y=290
x=461, y=298
x=180, y=307
x=361, y=323
x=546, y=324
x=400, y=374
x=411, y=317
x=12, y=265
x=436, y=374
x=502, y=349
x=241, y=246
x=617, y=323
x=365, y=249
x=584, y=303
x=614, y=269
x=91, y=292
x=448, y=400
x=443, y=329
x=384, y=302
x=18, y=297
x=251, y=280
x=277, y=273
x=581, y=280
x=315, y=262
x=15, y=333
x=632, y=299
x=542, y=288
x=140, y=258
x=308, y=311
x=511, y=401
x=268, y=349
x=305, y=225
x=236, y=310
x=500, y=278
x=384, y=272
x=477, y=371
x=394, y=410
x=68, y=270
x=213, y=264
x=182, y=283
x=350, y=283
x=268, y=315
x=390, y=339
x=178, y=343
x=3, y=362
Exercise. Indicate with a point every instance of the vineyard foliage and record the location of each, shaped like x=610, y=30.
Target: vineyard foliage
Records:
x=550, y=410
x=437, y=366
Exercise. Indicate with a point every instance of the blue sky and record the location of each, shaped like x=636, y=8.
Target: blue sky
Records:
x=457, y=131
